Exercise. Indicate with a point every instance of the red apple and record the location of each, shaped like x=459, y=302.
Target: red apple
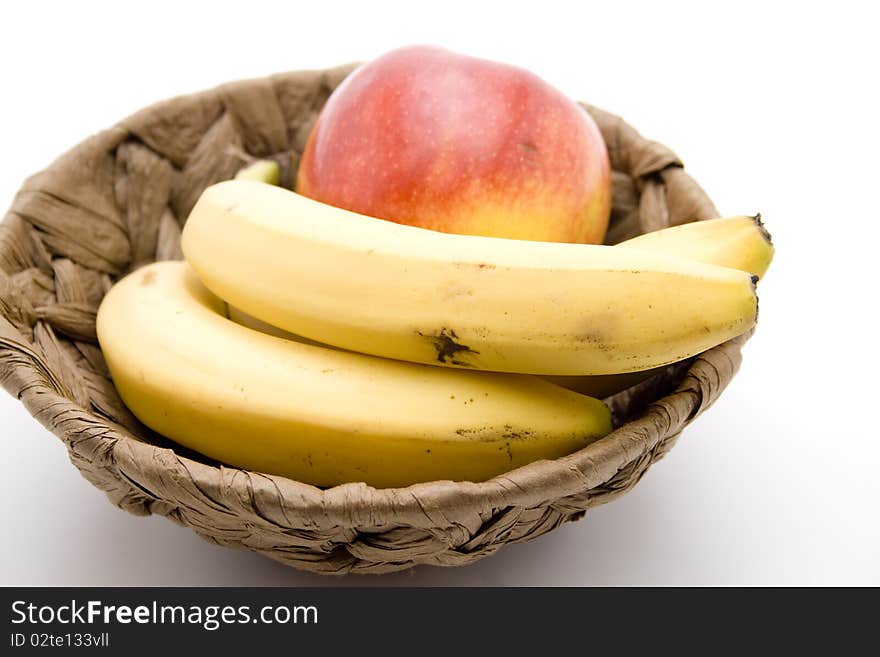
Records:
x=431, y=138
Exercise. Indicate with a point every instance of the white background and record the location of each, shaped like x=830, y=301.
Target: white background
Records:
x=772, y=106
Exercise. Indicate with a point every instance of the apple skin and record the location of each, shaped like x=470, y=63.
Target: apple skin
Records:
x=430, y=138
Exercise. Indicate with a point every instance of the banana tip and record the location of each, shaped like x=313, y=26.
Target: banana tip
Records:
x=764, y=232
x=755, y=292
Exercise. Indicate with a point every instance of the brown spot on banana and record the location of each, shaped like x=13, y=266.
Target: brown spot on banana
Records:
x=448, y=348
x=491, y=434
x=476, y=265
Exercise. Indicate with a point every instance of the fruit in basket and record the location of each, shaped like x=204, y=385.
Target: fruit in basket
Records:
x=318, y=415
x=463, y=301
x=267, y=171
x=431, y=138
x=740, y=242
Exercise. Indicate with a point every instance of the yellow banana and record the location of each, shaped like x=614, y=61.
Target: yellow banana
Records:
x=322, y=416
x=484, y=303
x=266, y=171
x=739, y=242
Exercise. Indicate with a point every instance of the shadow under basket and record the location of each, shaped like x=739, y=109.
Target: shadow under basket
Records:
x=117, y=201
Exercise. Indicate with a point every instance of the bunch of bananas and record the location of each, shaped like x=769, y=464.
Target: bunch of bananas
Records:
x=307, y=341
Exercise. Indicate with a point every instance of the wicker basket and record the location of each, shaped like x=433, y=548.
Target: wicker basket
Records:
x=117, y=200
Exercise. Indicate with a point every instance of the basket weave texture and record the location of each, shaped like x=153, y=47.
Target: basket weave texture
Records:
x=117, y=201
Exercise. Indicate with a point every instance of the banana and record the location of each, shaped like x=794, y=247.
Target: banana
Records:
x=321, y=416
x=266, y=171
x=464, y=301
x=739, y=242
